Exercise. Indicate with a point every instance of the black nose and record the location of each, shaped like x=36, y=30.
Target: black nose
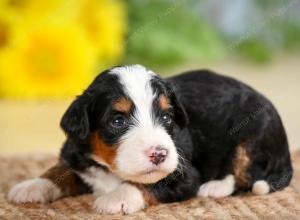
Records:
x=158, y=155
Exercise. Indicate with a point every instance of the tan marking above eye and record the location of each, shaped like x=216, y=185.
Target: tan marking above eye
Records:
x=164, y=102
x=102, y=152
x=123, y=105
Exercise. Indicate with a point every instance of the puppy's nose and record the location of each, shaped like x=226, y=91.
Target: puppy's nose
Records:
x=157, y=154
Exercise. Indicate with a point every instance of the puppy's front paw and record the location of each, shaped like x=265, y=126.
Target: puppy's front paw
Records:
x=217, y=188
x=34, y=190
x=125, y=199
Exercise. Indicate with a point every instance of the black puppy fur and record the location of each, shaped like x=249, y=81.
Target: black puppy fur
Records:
x=217, y=114
x=220, y=126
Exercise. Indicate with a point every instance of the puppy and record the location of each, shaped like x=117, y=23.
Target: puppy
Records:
x=134, y=140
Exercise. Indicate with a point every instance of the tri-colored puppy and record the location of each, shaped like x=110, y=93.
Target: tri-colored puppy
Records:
x=134, y=139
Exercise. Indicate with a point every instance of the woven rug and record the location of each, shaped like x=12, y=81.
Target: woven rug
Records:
x=280, y=205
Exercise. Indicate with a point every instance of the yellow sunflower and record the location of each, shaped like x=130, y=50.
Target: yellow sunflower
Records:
x=4, y=31
x=47, y=60
x=7, y=22
x=105, y=24
x=37, y=8
x=54, y=48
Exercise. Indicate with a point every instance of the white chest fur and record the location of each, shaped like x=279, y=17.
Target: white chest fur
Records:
x=102, y=182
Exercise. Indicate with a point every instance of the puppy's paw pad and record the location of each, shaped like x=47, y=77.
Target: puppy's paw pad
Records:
x=34, y=190
x=217, y=188
x=124, y=200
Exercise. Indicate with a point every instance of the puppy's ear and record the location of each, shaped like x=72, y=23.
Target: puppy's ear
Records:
x=181, y=117
x=75, y=121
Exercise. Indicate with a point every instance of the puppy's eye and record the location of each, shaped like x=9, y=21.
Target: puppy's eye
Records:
x=118, y=121
x=166, y=118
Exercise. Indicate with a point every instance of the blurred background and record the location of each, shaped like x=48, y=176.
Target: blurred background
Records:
x=51, y=50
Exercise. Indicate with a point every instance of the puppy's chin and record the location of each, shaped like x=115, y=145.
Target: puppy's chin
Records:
x=146, y=177
x=146, y=173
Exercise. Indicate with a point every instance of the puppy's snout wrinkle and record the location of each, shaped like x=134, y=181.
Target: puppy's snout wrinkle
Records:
x=157, y=154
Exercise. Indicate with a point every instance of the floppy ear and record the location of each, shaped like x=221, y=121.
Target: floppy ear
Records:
x=181, y=117
x=75, y=121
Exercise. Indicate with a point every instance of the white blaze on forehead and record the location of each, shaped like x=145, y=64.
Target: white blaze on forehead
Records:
x=131, y=161
x=136, y=80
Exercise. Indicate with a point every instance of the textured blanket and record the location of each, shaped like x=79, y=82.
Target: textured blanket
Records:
x=279, y=205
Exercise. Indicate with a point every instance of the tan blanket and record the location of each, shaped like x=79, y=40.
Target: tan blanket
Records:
x=279, y=205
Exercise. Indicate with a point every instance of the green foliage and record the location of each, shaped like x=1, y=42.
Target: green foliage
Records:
x=255, y=50
x=167, y=33
x=282, y=36
x=291, y=35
